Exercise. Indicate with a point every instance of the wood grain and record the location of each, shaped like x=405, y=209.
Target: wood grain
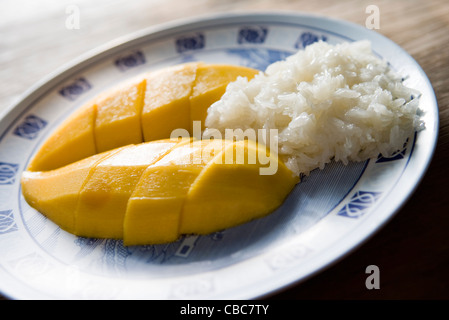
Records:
x=412, y=251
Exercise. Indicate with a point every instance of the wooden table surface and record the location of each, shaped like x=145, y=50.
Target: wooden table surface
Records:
x=411, y=251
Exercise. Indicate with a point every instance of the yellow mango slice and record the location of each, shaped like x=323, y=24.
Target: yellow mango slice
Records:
x=166, y=105
x=104, y=197
x=153, y=192
x=118, y=122
x=210, y=85
x=154, y=209
x=146, y=108
x=72, y=141
x=55, y=193
x=231, y=189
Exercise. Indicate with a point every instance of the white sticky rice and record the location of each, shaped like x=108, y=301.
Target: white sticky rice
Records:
x=328, y=103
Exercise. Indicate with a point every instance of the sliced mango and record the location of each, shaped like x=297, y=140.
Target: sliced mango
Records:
x=153, y=192
x=157, y=200
x=118, y=122
x=167, y=105
x=231, y=189
x=73, y=140
x=146, y=108
x=56, y=193
x=104, y=196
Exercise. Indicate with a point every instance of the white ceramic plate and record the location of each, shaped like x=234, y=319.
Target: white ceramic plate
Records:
x=327, y=215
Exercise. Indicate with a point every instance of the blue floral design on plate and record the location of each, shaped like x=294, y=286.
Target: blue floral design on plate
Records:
x=252, y=34
x=131, y=60
x=73, y=90
x=7, y=222
x=359, y=204
x=192, y=42
x=30, y=127
x=8, y=172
